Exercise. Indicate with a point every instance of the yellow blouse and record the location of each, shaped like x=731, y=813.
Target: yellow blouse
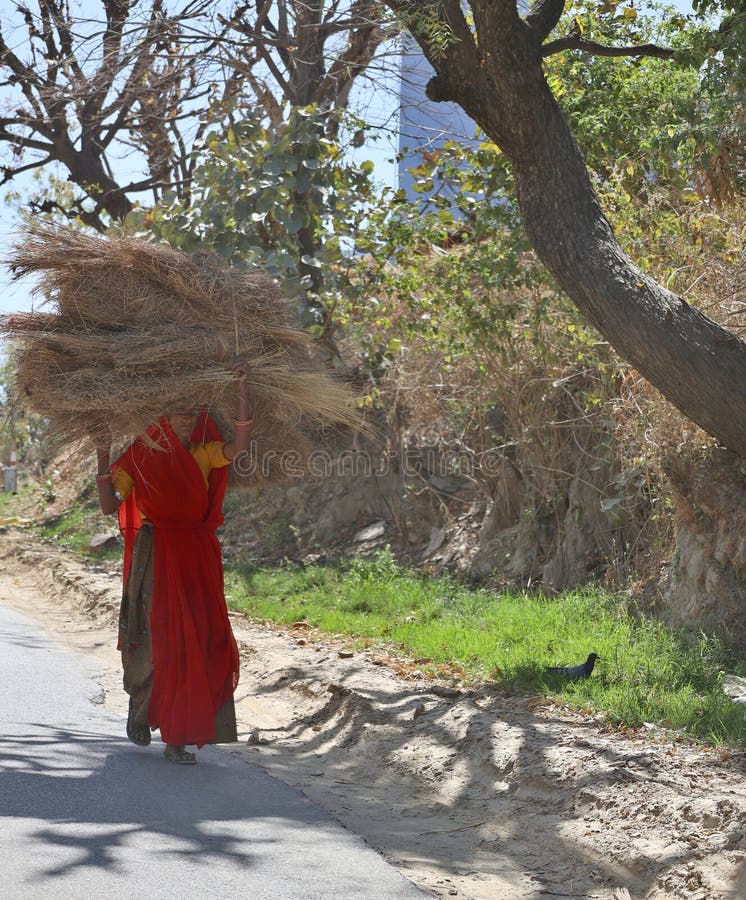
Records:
x=208, y=456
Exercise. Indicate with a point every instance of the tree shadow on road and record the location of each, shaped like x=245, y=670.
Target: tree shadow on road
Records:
x=90, y=797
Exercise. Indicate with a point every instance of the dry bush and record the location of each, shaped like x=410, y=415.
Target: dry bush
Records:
x=706, y=265
x=555, y=411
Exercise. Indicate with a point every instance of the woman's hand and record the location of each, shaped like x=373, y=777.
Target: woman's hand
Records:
x=241, y=374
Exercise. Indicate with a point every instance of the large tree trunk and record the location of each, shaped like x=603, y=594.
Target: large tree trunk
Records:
x=695, y=363
x=498, y=80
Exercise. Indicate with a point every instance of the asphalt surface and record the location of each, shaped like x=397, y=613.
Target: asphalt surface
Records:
x=85, y=814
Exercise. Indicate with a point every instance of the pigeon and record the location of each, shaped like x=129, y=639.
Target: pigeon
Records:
x=575, y=673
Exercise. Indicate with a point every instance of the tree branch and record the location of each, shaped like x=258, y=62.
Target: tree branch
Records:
x=256, y=37
x=493, y=18
x=262, y=92
x=111, y=65
x=50, y=12
x=282, y=83
x=338, y=81
x=25, y=120
x=360, y=14
x=76, y=211
x=544, y=16
x=572, y=42
x=24, y=76
x=332, y=11
x=459, y=60
x=452, y=15
x=10, y=172
x=53, y=55
x=18, y=140
x=282, y=16
x=262, y=14
x=135, y=187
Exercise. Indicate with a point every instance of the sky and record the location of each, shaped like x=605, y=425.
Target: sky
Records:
x=376, y=104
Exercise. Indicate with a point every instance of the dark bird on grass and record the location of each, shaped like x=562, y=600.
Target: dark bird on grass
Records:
x=575, y=673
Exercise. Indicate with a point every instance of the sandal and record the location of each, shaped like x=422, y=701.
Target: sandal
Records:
x=179, y=755
x=138, y=734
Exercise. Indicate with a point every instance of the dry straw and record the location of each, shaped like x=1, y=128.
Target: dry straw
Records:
x=131, y=329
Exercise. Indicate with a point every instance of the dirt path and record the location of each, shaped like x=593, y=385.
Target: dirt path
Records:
x=471, y=796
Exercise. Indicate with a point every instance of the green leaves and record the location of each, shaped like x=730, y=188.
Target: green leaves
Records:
x=273, y=197
x=454, y=271
x=652, y=122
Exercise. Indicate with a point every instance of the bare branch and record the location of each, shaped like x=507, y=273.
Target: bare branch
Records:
x=10, y=172
x=102, y=81
x=76, y=211
x=264, y=95
x=256, y=37
x=23, y=75
x=53, y=54
x=288, y=59
x=23, y=142
x=282, y=81
x=52, y=13
x=231, y=88
x=282, y=16
x=134, y=80
x=134, y=187
x=332, y=11
x=68, y=104
x=361, y=14
x=363, y=43
x=573, y=42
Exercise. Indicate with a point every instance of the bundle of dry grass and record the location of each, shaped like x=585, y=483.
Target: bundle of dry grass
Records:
x=131, y=329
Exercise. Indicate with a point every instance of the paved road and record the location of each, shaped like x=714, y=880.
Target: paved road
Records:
x=85, y=814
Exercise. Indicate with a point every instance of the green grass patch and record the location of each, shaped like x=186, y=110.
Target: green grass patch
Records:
x=647, y=672
x=74, y=529
x=12, y=504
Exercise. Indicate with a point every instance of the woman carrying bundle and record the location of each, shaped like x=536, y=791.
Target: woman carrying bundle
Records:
x=179, y=655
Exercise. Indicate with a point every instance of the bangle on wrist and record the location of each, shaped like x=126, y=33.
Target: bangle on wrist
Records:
x=242, y=423
x=104, y=476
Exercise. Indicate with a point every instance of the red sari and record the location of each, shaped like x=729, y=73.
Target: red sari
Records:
x=195, y=657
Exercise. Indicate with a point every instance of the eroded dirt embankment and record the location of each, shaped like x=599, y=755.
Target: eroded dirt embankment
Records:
x=469, y=793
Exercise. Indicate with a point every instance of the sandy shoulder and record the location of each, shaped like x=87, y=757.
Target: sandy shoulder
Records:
x=472, y=796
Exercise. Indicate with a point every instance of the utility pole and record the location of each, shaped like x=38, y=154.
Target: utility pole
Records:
x=11, y=473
